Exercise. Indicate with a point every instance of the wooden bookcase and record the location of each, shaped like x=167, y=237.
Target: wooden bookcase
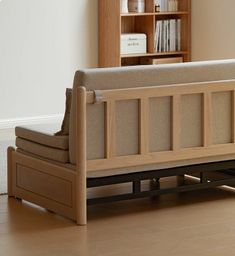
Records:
x=112, y=23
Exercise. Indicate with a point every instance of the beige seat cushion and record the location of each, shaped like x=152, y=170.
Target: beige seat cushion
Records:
x=50, y=153
x=44, y=135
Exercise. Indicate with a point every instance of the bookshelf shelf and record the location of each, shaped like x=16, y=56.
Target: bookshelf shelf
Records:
x=154, y=54
x=112, y=23
x=131, y=14
x=170, y=13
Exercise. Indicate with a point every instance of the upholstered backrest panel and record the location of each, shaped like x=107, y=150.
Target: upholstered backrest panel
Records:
x=127, y=127
x=191, y=120
x=160, y=124
x=221, y=118
x=95, y=131
x=160, y=108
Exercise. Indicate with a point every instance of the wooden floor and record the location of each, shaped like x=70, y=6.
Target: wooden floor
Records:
x=193, y=223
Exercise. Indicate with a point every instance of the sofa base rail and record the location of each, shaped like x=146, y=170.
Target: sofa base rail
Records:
x=176, y=171
x=55, y=188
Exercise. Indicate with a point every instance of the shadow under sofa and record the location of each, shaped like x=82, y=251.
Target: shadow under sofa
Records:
x=127, y=125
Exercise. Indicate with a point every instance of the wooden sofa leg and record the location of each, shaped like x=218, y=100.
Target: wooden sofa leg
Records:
x=81, y=201
x=81, y=216
x=10, y=150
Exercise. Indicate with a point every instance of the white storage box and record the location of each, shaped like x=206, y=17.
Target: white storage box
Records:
x=133, y=43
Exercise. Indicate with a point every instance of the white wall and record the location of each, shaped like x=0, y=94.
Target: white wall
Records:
x=42, y=43
x=213, y=29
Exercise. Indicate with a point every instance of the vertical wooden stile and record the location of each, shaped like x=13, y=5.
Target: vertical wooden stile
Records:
x=176, y=130
x=144, y=126
x=207, y=115
x=233, y=116
x=110, y=123
x=109, y=21
x=81, y=197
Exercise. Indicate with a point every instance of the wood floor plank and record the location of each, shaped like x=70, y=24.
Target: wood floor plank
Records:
x=193, y=223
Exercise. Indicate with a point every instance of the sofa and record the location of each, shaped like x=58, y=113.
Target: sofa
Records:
x=129, y=124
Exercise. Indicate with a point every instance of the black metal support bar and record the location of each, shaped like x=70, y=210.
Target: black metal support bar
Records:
x=203, y=178
x=154, y=184
x=229, y=172
x=161, y=191
x=130, y=177
x=136, y=186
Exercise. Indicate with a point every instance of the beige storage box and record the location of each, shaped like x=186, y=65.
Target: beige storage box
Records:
x=133, y=43
x=156, y=61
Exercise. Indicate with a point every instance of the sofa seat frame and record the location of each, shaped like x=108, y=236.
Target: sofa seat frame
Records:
x=54, y=174
x=64, y=191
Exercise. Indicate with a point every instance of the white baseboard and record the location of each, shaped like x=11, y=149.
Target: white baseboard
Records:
x=12, y=123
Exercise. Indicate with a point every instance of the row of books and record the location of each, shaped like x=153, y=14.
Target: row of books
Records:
x=166, y=5
x=168, y=35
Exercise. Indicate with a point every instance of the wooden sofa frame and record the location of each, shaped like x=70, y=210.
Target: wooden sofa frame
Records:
x=64, y=191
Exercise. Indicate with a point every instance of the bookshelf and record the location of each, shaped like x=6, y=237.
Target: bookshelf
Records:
x=112, y=23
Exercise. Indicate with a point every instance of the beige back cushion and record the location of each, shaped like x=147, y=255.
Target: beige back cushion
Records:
x=65, y=124
x=127, y=111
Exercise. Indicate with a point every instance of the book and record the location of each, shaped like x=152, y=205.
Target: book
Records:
x=172, y=35
x=157, y=36
x=172, y=5
x=178, y=35
x=161, y=37
x=167, y=5
x=163, y=5
x=167, y=35
x=164, y=35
